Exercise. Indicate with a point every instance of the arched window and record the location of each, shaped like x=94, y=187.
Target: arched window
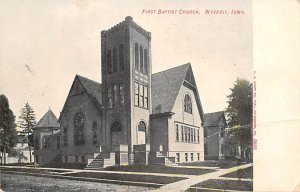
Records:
x=142, y=126
x=187, y=104
x=115, y=59
x=121, y=57
x=145, y=61
x=108, y=60
x=79, y=128
x=141, y=59
x=116, y=126
x=136, y=56
x=141, y=133
x=94, y=131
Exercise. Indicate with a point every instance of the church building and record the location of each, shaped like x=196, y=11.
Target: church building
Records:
x=133, y=116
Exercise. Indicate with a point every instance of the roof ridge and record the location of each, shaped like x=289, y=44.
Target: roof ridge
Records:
x=172, y=68
x=85, y=78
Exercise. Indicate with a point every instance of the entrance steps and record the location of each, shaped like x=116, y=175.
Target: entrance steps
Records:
x=101, y=161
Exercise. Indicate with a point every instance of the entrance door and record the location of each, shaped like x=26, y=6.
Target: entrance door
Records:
x=115, y=134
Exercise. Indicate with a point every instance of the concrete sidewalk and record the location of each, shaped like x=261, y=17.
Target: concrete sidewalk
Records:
x=68, y=171
x=185, y=184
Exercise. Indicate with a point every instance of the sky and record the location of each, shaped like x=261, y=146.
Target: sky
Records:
x=44, y=44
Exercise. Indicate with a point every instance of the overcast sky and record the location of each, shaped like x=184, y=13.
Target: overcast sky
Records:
x=44, y=44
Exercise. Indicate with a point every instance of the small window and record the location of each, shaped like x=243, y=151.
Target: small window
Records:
x=122, y=96
x=192, y=156
x=185, y=134
x=82, y=158
x=65, y=135
x=136, y=56
x=177, y=132
x=115, y=60
x=79, y=128
x=187, y=104
x=121, y=57
x=141, y=91
x=178, y=157
x=198, y=156
x=182, y=133
x=146, y=95
x=116, y=95
x=45, y=142
x=186, y=156
x=109, y=97
x=108, y=60
x=94, y=132
x=66, y=159
x=198, y=135
x=142, y=126
x=136, y=94
x=141, y=60
x=145, y=61
x=189, y=134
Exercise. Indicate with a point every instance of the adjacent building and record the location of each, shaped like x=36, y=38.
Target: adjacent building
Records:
x=46, y=139
x=215, y=137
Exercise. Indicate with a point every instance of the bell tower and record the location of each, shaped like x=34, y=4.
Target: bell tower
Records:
x=126, y=86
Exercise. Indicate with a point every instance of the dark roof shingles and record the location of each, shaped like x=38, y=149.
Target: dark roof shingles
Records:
x=213, y=119
x=165, y=88
x=92, y=87
x=48, y=120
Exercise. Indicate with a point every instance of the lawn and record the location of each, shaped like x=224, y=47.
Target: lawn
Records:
x=128, y=177
x=159, y=169
x=223, y=185
x=31, y=170
x=223, y=164
x=242, y=173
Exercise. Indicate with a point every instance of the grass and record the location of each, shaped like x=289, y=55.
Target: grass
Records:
x=242, y=173
x=223, y=164
x=128, y=177
x=64, y=165
x=159, y=169
x=224, y=185
x=31, y=170
x=18, y=164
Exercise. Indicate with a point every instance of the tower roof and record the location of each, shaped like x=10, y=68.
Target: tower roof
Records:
x=128, y=22
x=49, y=120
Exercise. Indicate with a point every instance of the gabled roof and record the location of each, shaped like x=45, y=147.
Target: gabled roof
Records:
x=165, y=88
x=92, y=87
x=213, y=119
x=166, y=85
x=49, y=120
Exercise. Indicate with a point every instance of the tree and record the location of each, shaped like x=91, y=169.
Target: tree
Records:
x=8, y=134
x=27, y=122
x=239, y=113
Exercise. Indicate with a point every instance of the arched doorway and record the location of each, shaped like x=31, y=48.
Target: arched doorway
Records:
x=116, y=128
x=141, y=133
